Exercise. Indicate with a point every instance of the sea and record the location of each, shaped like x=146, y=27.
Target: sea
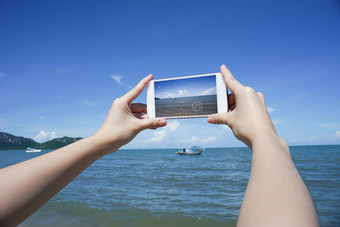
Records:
x=156, y=187
x=186, y=106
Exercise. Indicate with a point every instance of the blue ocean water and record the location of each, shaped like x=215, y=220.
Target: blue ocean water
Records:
x=186, y=106
x=156, y=187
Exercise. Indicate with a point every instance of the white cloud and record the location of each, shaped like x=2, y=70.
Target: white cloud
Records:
x=173, y=125
x=337, y=134
x=2, y=74
x=159, y=135
x=44, y=136
x=196, y=140
x=210, y=91
x=325, y=138
x=224, y=127
x=312, y=138
x=329, y=125
x=293, y=140
x=88, y=103
x=53, y=135
x=209, y=139
x=118, y=79
x=270, y=109
x=192, y=140
x=335, y=137
x=168, y=95
x=182, y=92
x=186, y=132
x=42, y=118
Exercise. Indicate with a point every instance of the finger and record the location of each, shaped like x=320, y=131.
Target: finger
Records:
x=222, y=118
x=135, y=92
x=231, y=102
x=152, y=123
x=231, y=99
x=138, y=107
x=140, y=115
x=231, y=108
x=230, y=80
x=261, y=96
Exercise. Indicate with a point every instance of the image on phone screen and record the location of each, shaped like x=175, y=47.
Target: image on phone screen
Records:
x=186, y=97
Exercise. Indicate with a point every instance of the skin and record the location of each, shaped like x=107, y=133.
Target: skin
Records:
x=275, y=196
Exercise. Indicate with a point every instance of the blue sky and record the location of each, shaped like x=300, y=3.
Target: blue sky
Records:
x=62, y=63
x=196, y=86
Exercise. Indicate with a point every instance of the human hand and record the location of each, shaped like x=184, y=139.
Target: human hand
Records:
x=126, y=119
x=247, y=114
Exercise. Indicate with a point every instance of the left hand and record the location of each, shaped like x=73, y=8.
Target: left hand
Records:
x=126, y=119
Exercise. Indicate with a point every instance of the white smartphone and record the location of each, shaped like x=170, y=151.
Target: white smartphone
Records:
x=187, y=97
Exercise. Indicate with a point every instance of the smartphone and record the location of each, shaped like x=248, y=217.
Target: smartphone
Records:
x=187, y=96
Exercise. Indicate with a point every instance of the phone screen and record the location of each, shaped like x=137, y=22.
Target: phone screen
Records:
x=192, y=96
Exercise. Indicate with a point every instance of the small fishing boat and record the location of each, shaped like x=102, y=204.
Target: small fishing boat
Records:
x=31, y=150
x=193, y=150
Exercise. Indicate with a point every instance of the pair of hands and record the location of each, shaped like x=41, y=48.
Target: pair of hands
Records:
x=247, y=115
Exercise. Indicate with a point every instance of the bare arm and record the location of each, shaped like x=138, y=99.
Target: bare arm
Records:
x=26, y=186
x=276, y=194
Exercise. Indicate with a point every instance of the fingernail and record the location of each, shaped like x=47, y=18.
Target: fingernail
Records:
x=211, y=120
x=150, y=75
x=161, y=122
x=223, y=66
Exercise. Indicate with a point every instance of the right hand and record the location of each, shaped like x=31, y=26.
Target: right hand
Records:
x=247, y=114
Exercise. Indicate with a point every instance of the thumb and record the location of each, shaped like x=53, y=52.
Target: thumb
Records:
x=152, y=123
x=222, y=118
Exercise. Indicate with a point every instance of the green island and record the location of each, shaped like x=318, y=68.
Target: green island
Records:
x=12, y=142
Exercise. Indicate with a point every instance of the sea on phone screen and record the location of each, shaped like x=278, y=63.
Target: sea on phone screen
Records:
x=186, y=106
x=188, y=96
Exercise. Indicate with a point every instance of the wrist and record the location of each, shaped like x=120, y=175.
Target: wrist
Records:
x=105, y=146
x=268, y=140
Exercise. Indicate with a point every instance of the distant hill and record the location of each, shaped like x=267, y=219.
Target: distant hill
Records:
x=8, y=142
x=11, y=142
x=58, y=142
